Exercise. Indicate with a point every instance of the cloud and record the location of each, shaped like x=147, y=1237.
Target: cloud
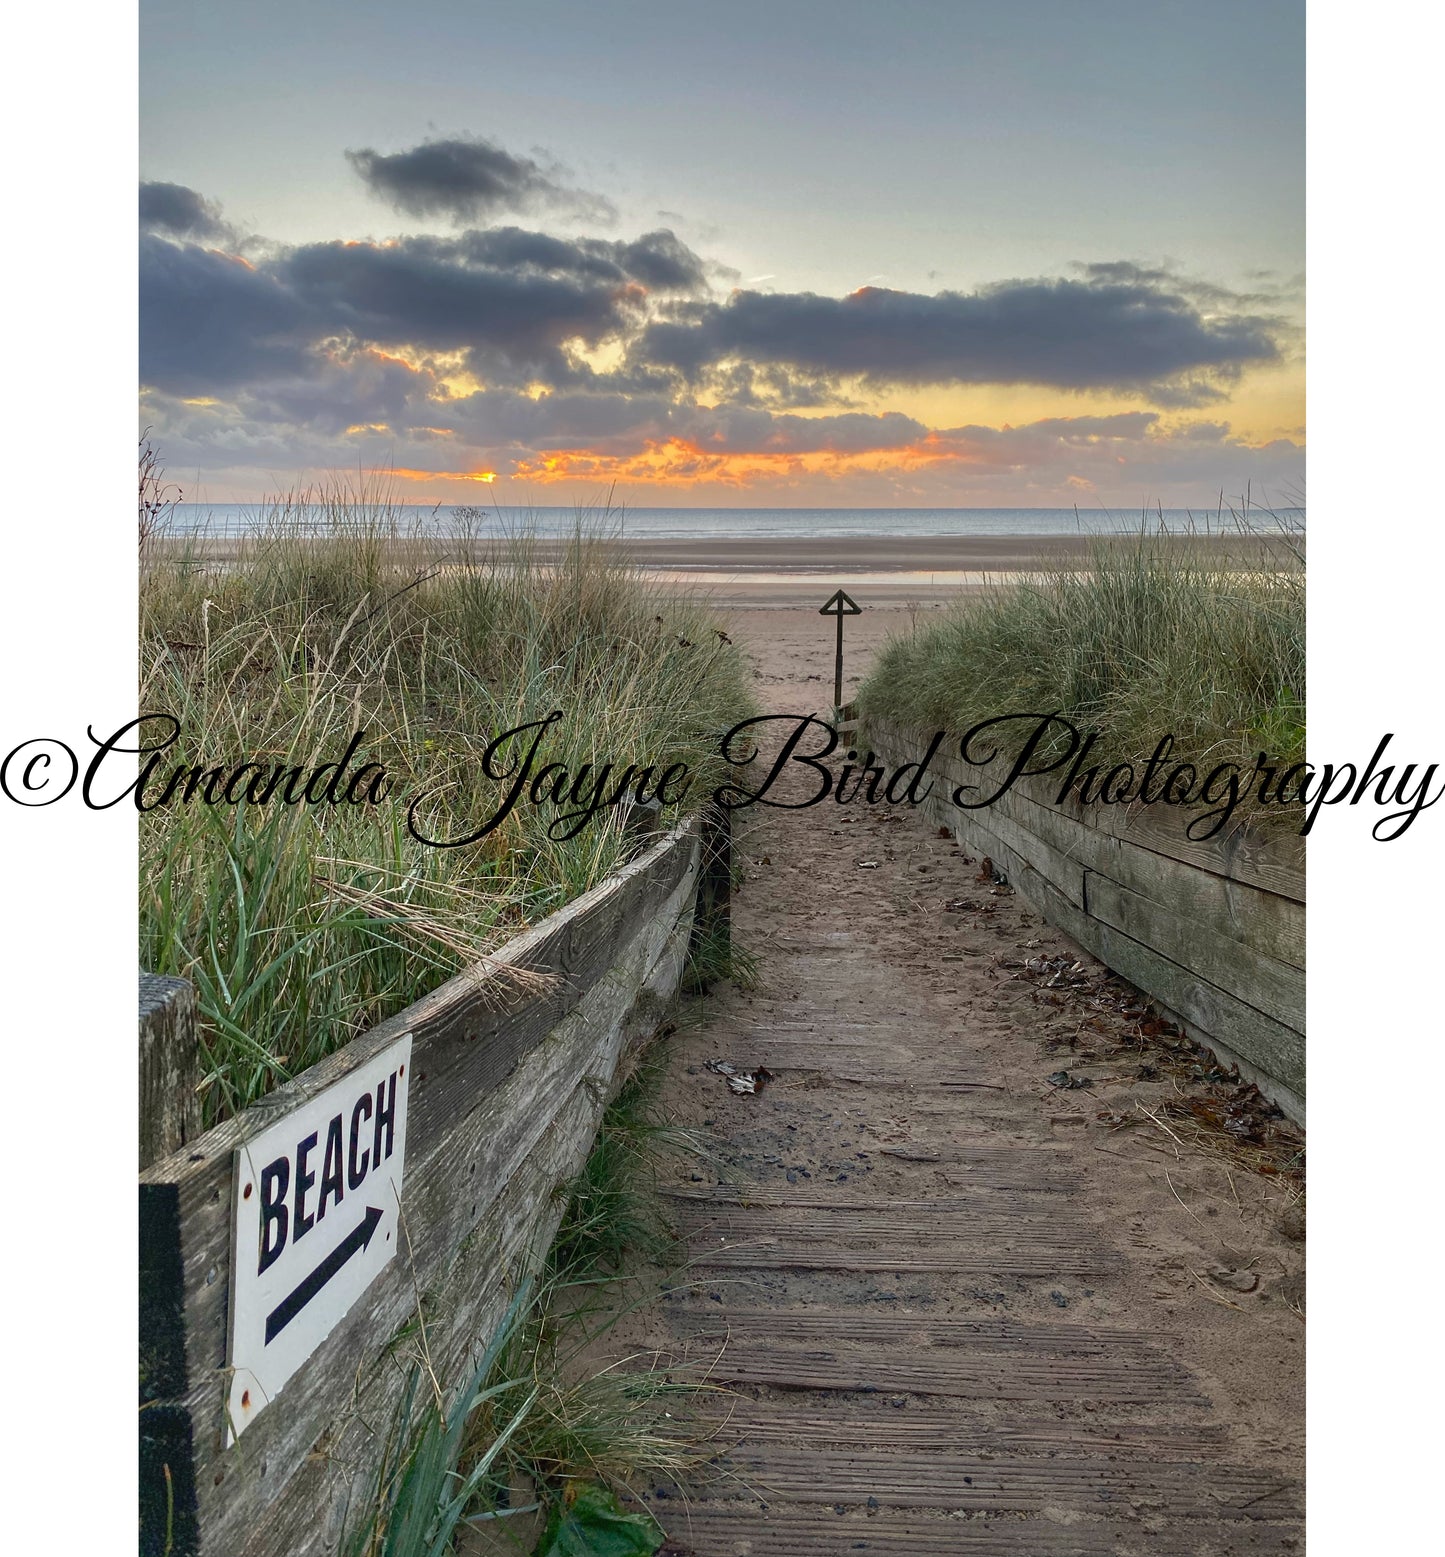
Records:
x=1121, y=460
x=1207, y=294
x=361, y=407
x=554, y=359
x=659, y=260
x=468, y=179
x=520, y=305
x=1127, y=332
x=432, y=294
x=211, y=321
x=178, y=212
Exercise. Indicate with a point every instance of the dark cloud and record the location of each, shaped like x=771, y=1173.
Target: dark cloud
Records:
x=662, y=261
x=427, y=293
x=1130, y=332
x=211, y=321
x=519, y=304
x=1206, y=294
x=621, y=424
x=614, y=359
x=177, y=212
x=470, y=180
x=659, y=260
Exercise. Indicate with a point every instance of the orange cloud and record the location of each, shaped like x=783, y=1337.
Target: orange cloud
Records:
x=684, y=463
x=437, y=475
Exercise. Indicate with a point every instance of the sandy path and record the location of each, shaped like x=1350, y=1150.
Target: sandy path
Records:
x=961, y=1311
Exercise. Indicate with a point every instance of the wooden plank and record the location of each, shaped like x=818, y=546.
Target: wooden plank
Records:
x=1063, y=871
x=896, y=1226
x=463, y=1047
x=1273, y=925
x=991, y=1259
x=1274, y=1049
x=771, y=1529
x=942, y=1372
x=980, y=1202
x=723, y=1530
x=482, y=1214
x=1272, y=861
x=864, y=1327
x=1042, y=1170
x=1179, y=951
x=1016, y=1483
x=170, y=1067
x=277, y=1505
x=501, y=1088
x=1261, y=982
x=869, y=1420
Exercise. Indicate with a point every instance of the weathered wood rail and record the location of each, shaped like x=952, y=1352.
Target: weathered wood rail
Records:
x=1213, y=931
x=506, y=1095
x=170, y=1107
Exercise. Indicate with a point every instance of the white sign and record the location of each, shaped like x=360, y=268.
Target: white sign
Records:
x=317, y=1200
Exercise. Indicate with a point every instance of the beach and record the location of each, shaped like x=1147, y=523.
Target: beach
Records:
x=777, y=572
x=892, y=572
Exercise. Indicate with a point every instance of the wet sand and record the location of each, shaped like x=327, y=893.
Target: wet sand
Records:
x=888, y=572
x=919, y=554
x=776, y=571
x=885, y=571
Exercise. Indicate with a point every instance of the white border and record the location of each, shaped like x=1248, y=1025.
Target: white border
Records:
x=1376, y=1106
x=68, y=1144
x=69, y=1140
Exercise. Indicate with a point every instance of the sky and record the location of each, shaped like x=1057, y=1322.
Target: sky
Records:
x=929, y=253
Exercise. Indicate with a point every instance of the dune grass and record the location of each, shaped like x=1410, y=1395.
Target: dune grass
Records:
x=300, y=926
x=545, y=1425
x=532, y=1428
x=1147, y=637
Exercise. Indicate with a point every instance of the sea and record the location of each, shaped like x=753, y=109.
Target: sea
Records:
x=238, y=519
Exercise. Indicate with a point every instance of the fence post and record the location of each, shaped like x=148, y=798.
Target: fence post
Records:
x=712, y=920
x=170, y=1067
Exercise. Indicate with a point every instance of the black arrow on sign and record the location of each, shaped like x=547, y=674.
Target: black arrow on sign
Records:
x=288, y=1308
x=840, y=605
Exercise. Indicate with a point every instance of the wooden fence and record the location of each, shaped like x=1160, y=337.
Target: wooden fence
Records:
x=1213, y=931
x=505, y=1098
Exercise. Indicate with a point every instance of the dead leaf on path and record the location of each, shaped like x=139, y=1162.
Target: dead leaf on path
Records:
x=744, y=1083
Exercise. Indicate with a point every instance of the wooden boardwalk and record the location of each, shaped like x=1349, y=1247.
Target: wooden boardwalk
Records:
x=958, y=1308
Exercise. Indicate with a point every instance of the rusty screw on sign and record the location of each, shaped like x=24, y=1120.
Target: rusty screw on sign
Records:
x=840, y=605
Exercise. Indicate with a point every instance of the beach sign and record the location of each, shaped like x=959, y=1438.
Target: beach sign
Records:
x=316, y=1207
x=839, y=605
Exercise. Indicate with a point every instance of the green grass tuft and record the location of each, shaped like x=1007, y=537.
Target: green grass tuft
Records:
x=1147, y=638
x=302, y=926
x=612, y=1208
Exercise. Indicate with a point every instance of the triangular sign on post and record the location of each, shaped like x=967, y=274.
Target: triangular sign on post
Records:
x=841, y=605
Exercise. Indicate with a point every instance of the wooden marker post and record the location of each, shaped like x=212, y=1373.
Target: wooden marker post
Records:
x=839, y=605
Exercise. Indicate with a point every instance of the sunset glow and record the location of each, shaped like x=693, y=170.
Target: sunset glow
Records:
x=1001, y=289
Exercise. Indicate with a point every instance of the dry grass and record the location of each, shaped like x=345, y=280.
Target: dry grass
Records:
x=1139, y=641
x=302, y=925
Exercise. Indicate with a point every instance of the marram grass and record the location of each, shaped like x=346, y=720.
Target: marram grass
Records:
x=1145, y=638
x=301, y=926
